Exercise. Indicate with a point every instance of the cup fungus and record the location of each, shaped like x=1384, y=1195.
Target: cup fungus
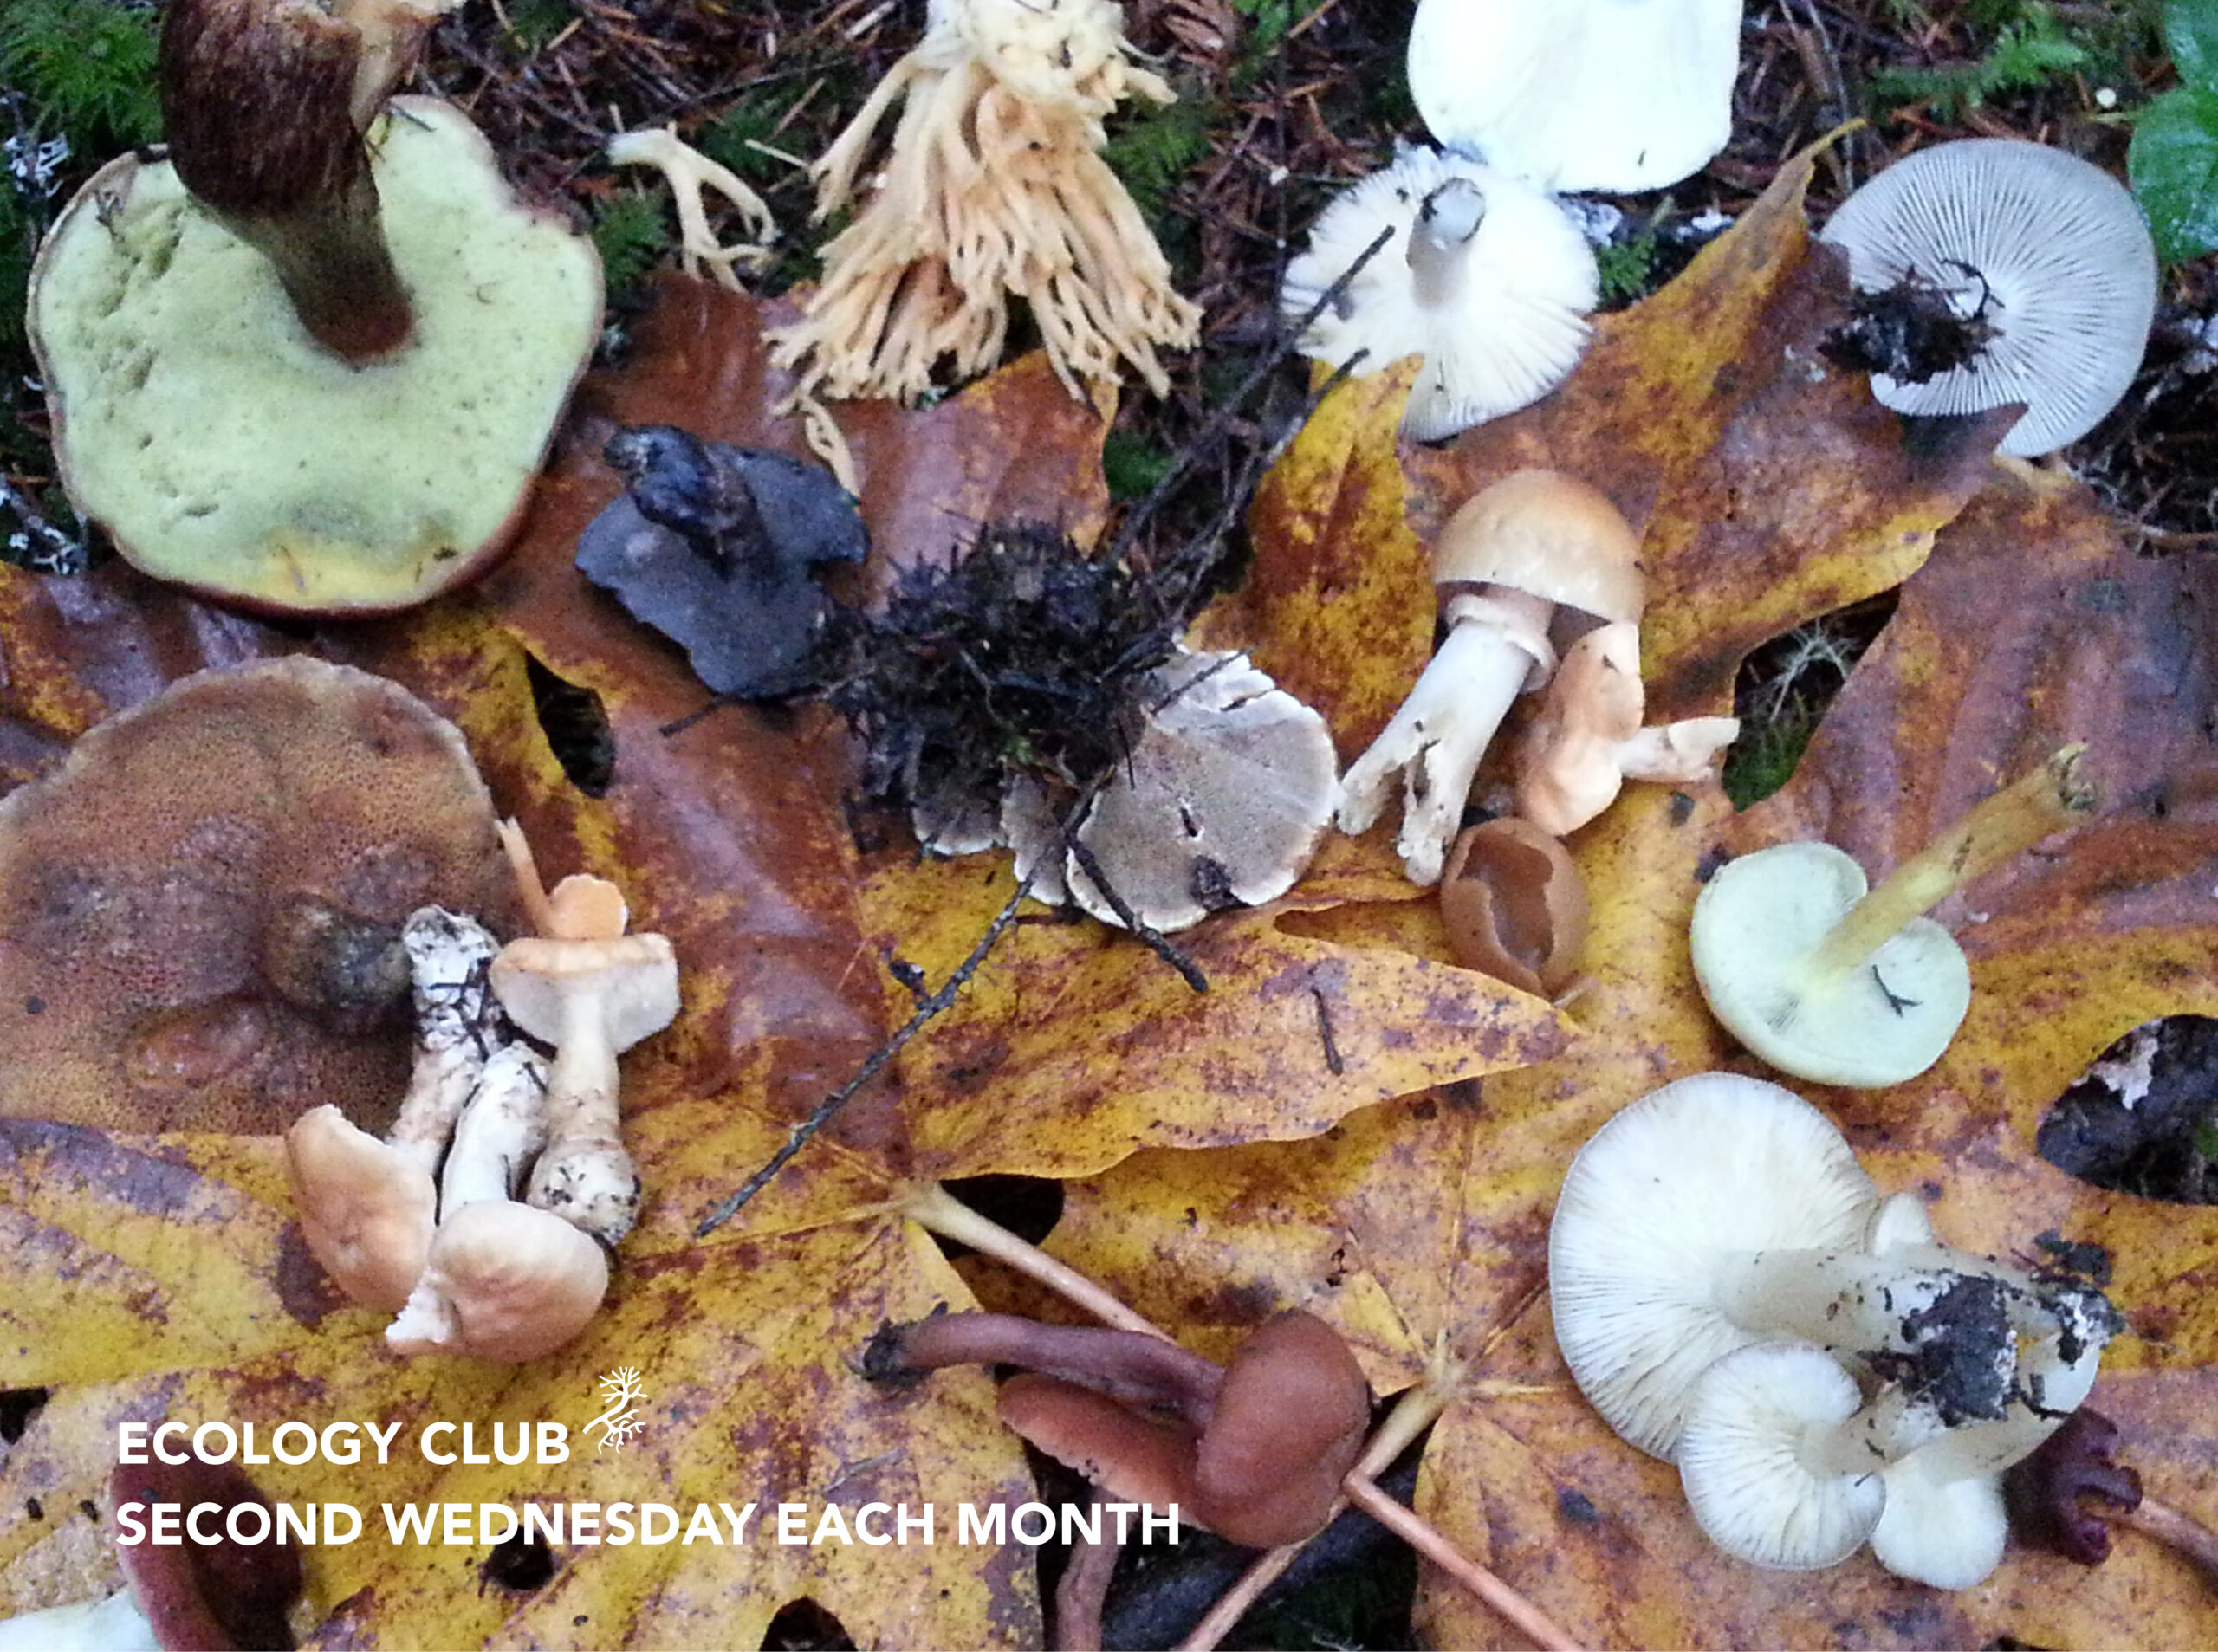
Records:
x=1829, y=981
x=1516, y=906
x=993, y=186
x=1485, y=277
x=1715, y=1245
x=310, y=362
x=2046, y=253
x=142, y=883
x=1532, y=550
x=1580, y=95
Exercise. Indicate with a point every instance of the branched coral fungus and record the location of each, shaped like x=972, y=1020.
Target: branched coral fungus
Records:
x=992, y=186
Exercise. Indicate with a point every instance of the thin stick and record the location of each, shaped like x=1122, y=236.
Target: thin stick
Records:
x=935, y=1209
x=1147, y=934
x=1521, y=1613
x=2177, y=1530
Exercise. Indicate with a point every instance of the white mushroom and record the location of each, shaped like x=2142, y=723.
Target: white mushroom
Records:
x=1578, y=94
x=1485, y=277
x=2050, y=252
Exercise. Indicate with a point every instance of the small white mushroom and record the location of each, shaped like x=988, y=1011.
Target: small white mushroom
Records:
x=1485, y=277
x=2046, y=250
x=691, y=174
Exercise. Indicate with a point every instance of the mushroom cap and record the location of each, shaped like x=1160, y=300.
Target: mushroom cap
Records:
x=1508, y=328
x=1226, y=795
x=1708, y=1168
x=201, y=1597
x=221, y=447
x=1133, y=1458
x=147, y=980
x=1580, y=95
x=1289, y=1424
x=505, y=1283
x=368, y=1211
x=634, y=977
x=1516, y=906
x=2057, y=248
x=1568, y=768
x=1755, y=924
x=1742, y=1461
x=1947, y=1534
x=1550, y=535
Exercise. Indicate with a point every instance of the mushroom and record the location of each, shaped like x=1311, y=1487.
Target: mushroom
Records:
x=1516, y=906
x=2048, y=1495
x=504, y=1281
x=1828, y=981
x=592, y=991
x=1620, y=95
x=1225, y=796
x=1506, y=560
x=2046, y=253
x=310, y=362
x=993, y=187
x=1485, y=277
x=1588, y=740
x=690, y=174
x=155, y=889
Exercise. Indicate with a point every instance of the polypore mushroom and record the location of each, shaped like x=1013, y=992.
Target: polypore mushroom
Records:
x=1483, y=277
x=993, y=187
x=2047, y=252
x=1516, y=906
x=155, y=889
x=1588, y=740
x=1828, y=979
x=1505, y=562
x=504, y=1281
x=1225, y=796
x=592, y=991
x=311, y=360
x=1578, y=94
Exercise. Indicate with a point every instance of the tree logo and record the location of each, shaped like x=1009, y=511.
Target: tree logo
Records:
x=621, y=1391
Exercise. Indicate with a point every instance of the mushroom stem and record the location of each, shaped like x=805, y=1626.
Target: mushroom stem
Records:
x=501, y=1130
x=1437, y=739
x=933, y=1208
x=2178, y=1531
x=1441, y=237
x=1128, y=1366
x=1083, y=1592
x=2053, y=797
x=457, y=1020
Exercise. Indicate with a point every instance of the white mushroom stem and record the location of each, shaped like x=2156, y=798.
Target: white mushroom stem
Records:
x=1675, y=754
x=502, y=1130
x=457, y=1020
x=1496, y=648
x=1440, y=241
x=585, y=1172
x=112, y=1624
x=689, y=174
x=2053, y=797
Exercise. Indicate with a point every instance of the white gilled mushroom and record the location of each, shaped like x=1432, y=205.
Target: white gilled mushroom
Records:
x=1827, y=982
x=1507, y=560
x=1588, y=740
x=2048, y=251
x=1486, y=278
x=1226, y=795
x=592, y=991
x=1578, y=94
x=368, y=1208
x=505, y=1281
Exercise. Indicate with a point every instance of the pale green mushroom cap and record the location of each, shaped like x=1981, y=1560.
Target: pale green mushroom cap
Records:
x=221, y=447
x=1755, y=926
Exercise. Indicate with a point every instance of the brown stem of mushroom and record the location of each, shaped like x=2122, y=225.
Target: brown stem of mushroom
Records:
x=935, y=1209
x=2177, y=1531
x=1083, y=1591
x=2053, y=797
x=1132, y=1367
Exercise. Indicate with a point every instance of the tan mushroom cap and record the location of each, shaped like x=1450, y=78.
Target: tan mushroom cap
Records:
x=1133, y=1457
x=144, y=883
x=634, y=976
x=366, y=1211
x=505, y=1283
x=1548, y=534
x=1516, y=906
x=1289, y=1424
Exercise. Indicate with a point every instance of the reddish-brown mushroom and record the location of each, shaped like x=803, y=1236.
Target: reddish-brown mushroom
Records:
x=1516, y=906
x=200, y=1597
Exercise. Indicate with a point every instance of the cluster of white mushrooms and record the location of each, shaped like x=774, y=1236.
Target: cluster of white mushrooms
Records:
x=428, y=1224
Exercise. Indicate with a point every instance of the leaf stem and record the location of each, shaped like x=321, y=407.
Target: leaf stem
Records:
x=933, y=1208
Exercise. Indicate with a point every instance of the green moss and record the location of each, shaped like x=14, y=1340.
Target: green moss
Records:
x=633, y=234
x=1133, y=464
x=534, y=24
x=1763, y=759
x=88, y=67
x=1626, y=268
x=1151, y=150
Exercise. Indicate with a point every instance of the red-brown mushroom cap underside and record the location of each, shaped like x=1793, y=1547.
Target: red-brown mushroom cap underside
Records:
x=200, y=910
x=1133, y=1458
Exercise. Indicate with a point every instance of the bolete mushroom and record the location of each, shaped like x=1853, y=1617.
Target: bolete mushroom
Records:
x=153, y=890
x=1513, y=555
x=1484, y=277
x=310, y=360
x=2047, y=252
x=1828, y=979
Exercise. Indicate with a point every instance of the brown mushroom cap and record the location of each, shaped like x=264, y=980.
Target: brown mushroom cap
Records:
x=207, y=1598
x=1516, y=906
x=366, y=1211
x=145, y=889
x=1134, y=1458
x=1549, y=534
x=634, y=977
x=1289, y=1424
x=505, y=1283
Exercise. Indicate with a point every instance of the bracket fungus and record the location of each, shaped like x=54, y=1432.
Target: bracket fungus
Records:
x=311, y=360
x=1716, y=1245
x=1524, y=556
x=993, y=187
x=1578, y=94
x=2046, y=252
x=1829, y=980
x=155, y=889
x=1484, y=277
